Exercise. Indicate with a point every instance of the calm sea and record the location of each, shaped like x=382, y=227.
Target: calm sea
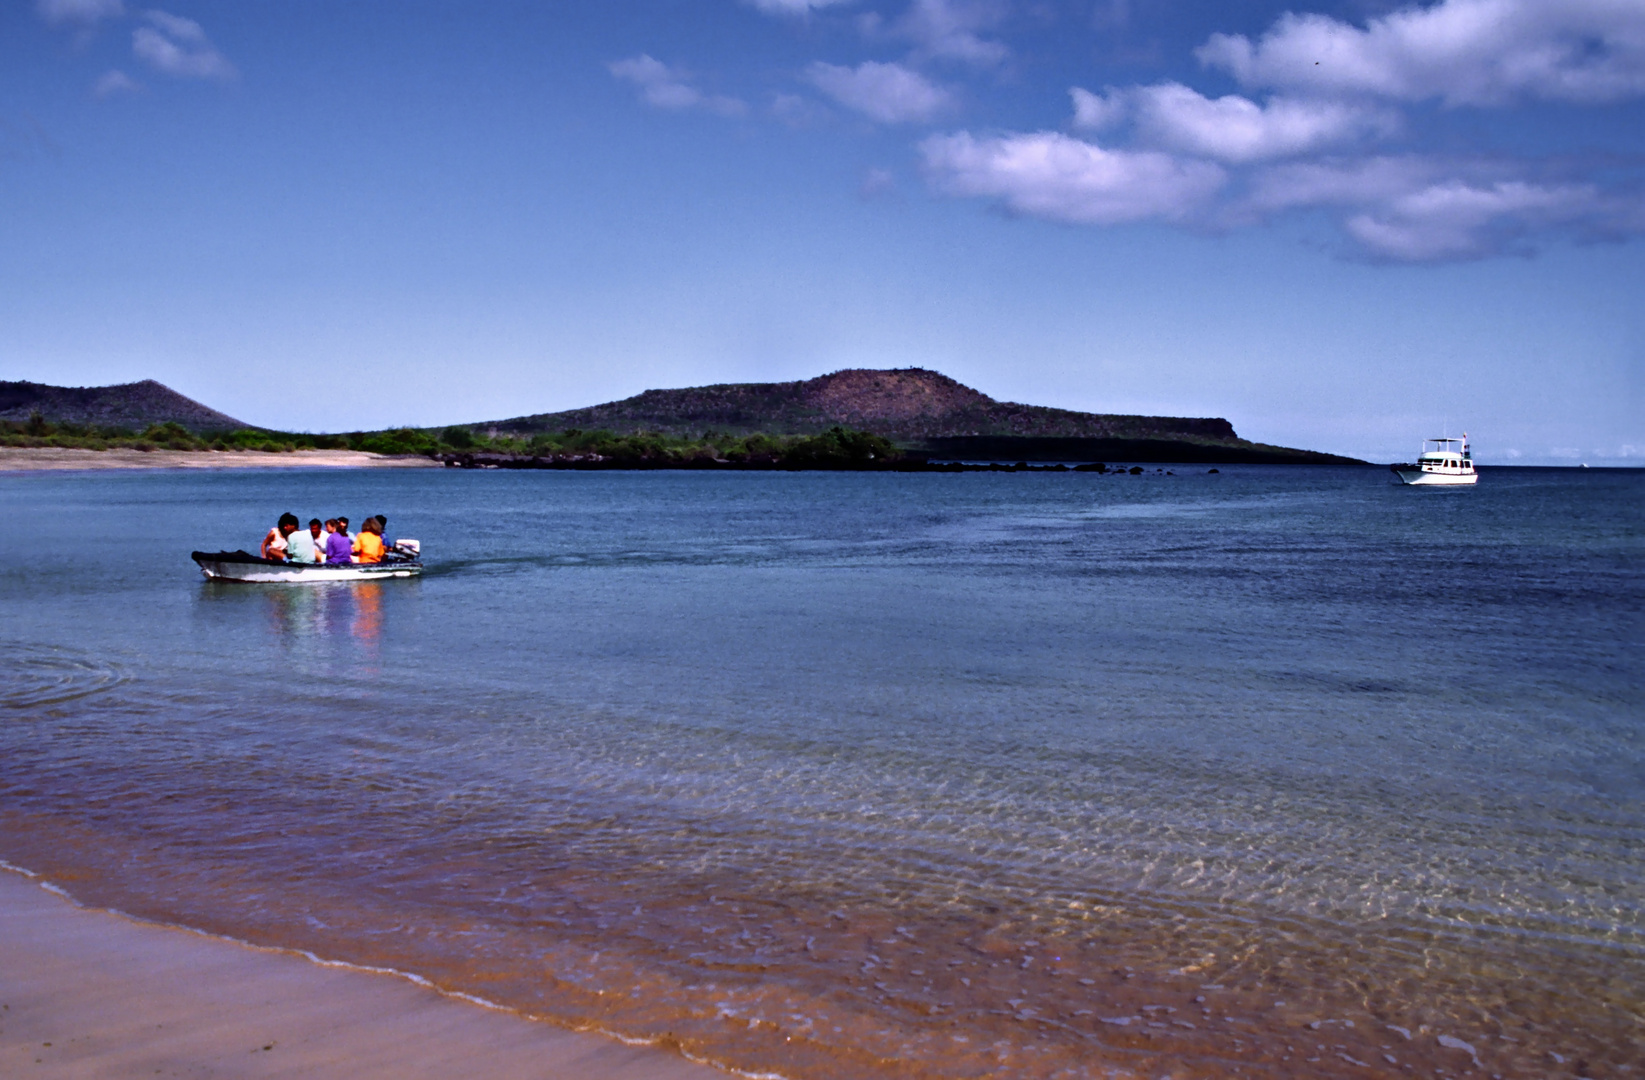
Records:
x=1272, y=772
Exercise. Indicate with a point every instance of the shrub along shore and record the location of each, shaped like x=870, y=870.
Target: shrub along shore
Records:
x=460, y=445
x=837, y=448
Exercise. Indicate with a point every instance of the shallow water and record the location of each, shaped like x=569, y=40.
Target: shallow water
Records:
x=1278, y=771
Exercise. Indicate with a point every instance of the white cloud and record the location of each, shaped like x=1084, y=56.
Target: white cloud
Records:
x=1398, y=208
x=83, y=12
x=888, y=93
x=1340, y=183
x=1093, y=112
x=1473, y=52
x=793, y=7
x=1237, y=129
x=670, y=88
x=1171, y=154
x=114, y=82
x=1458, y=220
x=1050, y=175
x=949, y=29
x=178, y=46
x=1417, y=209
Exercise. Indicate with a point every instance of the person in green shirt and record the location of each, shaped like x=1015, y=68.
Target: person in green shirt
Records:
x=300, y=546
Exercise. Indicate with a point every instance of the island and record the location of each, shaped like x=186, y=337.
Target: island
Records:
x=907, y=419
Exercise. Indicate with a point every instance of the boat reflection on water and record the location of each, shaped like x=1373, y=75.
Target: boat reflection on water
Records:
x=309, y=616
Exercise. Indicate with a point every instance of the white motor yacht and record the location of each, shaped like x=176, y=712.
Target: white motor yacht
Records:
x=1448, y=462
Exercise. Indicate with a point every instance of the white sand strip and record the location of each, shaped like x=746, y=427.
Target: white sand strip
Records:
x=90, y=994
x=15, y=459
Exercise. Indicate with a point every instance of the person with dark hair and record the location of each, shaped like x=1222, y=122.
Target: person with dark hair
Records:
x=339, y=547
x=300, y=544
x=274, y=544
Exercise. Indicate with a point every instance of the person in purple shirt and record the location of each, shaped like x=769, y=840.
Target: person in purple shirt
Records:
x=339, y=548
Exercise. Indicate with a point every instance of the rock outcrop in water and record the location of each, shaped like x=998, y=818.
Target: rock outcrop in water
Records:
x=131, y=406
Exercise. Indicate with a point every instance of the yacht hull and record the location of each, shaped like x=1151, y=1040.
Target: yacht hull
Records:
x=1416, y=477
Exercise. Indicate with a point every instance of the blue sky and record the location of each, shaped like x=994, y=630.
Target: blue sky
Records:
x=1342, y=226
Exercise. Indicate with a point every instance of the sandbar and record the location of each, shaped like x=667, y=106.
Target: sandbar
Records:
x=19, y=459
x=92, y=994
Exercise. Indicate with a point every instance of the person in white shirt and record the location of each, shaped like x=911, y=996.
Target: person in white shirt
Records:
x=274, y=544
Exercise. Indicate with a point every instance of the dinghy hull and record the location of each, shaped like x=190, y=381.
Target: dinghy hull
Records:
x=243, y=566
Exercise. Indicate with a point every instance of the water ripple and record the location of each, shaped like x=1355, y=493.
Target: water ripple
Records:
x=32, y=676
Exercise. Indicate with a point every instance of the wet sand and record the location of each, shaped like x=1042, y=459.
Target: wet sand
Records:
x=18, y=459
x=87, y=993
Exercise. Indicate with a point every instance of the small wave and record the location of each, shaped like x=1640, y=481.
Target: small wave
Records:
x=34, y=675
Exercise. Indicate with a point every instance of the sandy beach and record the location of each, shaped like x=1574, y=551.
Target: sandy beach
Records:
x=88, y=994
x=22, y=459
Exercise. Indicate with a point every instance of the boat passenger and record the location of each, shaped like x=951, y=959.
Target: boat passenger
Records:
x=300, y=544
x=339, y=547
x=274, y=544
x=368, y=545
x=316, y=529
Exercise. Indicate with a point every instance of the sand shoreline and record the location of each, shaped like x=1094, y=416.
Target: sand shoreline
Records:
x=88, y=994
x=28, y=459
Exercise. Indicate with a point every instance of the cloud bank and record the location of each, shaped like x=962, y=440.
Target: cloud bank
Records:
x=1462, y=52
x=1334, y=92
x=1330, y=120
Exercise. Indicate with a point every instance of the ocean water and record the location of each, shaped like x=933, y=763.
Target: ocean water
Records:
x=1272, y=772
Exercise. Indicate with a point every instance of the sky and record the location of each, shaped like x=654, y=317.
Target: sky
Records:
x=1343, y=226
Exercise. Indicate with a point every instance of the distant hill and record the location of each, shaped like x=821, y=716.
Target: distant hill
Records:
x=908, y=404
x=133, y=406
x=923, y=410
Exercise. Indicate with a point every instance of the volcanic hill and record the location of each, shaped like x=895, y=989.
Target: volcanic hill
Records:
x=922, y=410
x=132, y=406
x=907, y=404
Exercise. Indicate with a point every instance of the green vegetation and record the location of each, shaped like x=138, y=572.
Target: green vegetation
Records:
x=38, y=432
x=837, y=446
